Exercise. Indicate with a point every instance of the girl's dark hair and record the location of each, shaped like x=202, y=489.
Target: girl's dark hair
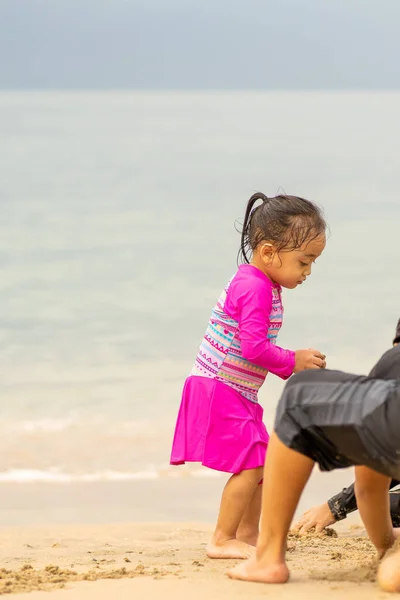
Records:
x=286, y=221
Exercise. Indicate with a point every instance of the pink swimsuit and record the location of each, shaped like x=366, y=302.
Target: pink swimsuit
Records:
x=220, y=421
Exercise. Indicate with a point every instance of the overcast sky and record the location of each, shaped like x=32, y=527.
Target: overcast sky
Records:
x=207, y=44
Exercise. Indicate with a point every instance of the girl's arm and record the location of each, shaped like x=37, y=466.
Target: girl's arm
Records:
x=253, y=309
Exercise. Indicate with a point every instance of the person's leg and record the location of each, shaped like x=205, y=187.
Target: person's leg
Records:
x=236, y=497
x=373, y=503
x=279, y=502
x=372, y=494
x=249, y=525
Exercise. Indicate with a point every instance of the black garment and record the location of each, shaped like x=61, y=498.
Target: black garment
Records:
x=397, y=334
x=340, y=420
x=343, y=503
x=388, y=366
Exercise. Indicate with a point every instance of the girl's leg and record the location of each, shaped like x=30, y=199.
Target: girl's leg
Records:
x=372, y=494
x=249, y=525
x=279, y=502
x=236, y=497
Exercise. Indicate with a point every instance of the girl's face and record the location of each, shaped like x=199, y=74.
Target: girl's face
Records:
x=288, y=268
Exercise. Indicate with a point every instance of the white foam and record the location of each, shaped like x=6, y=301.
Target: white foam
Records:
x=33, y=476
x=57, y=476
x=43, y=425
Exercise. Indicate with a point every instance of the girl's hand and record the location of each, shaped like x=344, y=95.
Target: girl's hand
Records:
x=309, y=359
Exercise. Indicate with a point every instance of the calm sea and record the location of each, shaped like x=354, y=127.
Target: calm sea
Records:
x=117, y=234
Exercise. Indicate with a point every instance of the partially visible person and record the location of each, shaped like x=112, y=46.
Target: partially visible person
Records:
x=339, y=506
x=397, y=335
x=337, y=420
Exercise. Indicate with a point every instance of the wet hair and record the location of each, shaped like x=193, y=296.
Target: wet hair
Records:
x=285, y=221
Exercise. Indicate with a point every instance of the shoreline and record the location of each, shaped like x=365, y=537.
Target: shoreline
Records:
x=167, y=499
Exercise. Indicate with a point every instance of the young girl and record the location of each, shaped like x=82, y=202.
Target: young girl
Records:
x=220, y=421
x=337, y=420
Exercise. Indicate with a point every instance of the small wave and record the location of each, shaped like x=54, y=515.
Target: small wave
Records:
x=56, y=476
x=43, y=425
x=88, y=424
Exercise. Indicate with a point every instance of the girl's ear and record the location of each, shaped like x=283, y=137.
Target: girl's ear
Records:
x=267, y=252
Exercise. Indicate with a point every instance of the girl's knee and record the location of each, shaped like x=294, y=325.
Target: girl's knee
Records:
x=256, y=474
x=251, y=476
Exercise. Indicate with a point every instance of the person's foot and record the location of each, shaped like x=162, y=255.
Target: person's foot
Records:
x=251, y=540
x=381, y=552
x=389, y=573
x=233, y=548
x=254, y=570
x=249, y=536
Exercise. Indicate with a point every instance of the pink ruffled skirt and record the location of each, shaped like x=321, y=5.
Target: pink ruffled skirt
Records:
x=219, y=428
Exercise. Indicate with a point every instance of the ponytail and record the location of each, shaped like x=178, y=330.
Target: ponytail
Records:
x=244, y=242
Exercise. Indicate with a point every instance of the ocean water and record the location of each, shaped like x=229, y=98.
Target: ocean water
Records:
x=117, y=234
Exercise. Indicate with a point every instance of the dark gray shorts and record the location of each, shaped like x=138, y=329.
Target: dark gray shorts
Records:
x=339, y=420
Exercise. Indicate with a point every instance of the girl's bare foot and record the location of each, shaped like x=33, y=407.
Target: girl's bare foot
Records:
x=255, y=570
x=229, y=549
x=251, y=540
x=249, y=536
x=389, y=573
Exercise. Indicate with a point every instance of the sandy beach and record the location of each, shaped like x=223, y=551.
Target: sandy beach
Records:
x=168, y=560
x=147, y=539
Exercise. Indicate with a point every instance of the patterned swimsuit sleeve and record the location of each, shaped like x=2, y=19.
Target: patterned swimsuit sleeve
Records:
x=252, y=306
